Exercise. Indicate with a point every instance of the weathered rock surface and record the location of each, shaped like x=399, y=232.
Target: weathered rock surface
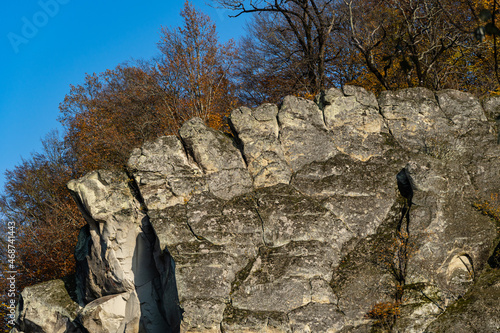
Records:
x=295, y=224
x=353, y=116
x=303, y=133
x=258, y=131
x=477, y=311
x=47, y=308
x=113, y=313
x=120, y=268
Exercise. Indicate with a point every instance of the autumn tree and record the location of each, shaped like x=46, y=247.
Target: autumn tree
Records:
x=36, y=199
x=194, y=69
x=408, y=43
x=44, y=220
x=112, y=113
x=290, y=46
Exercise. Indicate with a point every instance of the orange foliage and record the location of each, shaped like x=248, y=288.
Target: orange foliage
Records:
x=41, y=219
x=385, y=314
x=490, y=207
x=425, y=43
x=195, y=69
x=120, y=109
x=112, y=113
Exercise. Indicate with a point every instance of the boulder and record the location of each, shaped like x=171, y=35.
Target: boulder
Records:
x=218, y=157
x=47, y=308
x=303, y=134
x=118, y=253
x=166, y=174
x=115, y=219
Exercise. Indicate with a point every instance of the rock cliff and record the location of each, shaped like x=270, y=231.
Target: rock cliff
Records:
x=294, y=224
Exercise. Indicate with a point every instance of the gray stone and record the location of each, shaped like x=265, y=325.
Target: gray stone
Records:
x=120, y=251
x=118, y=313
x=286, y=278
x=415, y=119
x=218, y=157
x=47, y=308
x=491, y=106
x=115, y=218
x=303, y=134
x=296, y=224
x=258, y=130
x=352, y=190
x=460, y=107
x=165, y=173
x=316, y=317
x=363, y=96
x=477, y=311
x=355, y=122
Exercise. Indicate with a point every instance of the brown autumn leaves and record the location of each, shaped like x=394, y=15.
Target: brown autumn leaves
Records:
x=292, y=47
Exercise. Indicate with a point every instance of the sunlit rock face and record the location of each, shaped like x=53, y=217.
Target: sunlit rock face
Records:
x=293, y=223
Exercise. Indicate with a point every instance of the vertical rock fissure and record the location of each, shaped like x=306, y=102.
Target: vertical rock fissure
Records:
x=134, y=189
x=388, y=127
x=444, y=115
x=242, y=275
x=498, y=129
x=403, y=236
x=239, y=278
x=238, y=143
x=256, y=208
x=432, y=301
x=190, y=154
x=155, y=284
x=195, y=235
x=280, y=126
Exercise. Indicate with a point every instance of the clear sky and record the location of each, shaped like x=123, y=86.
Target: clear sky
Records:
x=46, y=45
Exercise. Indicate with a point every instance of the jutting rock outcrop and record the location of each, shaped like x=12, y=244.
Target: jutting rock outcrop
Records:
x=293, y=224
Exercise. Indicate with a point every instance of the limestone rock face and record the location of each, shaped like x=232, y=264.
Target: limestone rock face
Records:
x=166, y=174
x=113, y=313
x=476, y=312
x=354, y=117
x=295, y=224
x=303, y=133
x=259, y=132
x=219, y=158
x=415, y=120
x=114, y=218
x=121, y=272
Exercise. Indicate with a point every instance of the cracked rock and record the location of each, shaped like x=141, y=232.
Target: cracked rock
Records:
x=295, y=224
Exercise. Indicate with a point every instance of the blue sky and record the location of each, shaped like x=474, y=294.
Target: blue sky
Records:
x=46, y=45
